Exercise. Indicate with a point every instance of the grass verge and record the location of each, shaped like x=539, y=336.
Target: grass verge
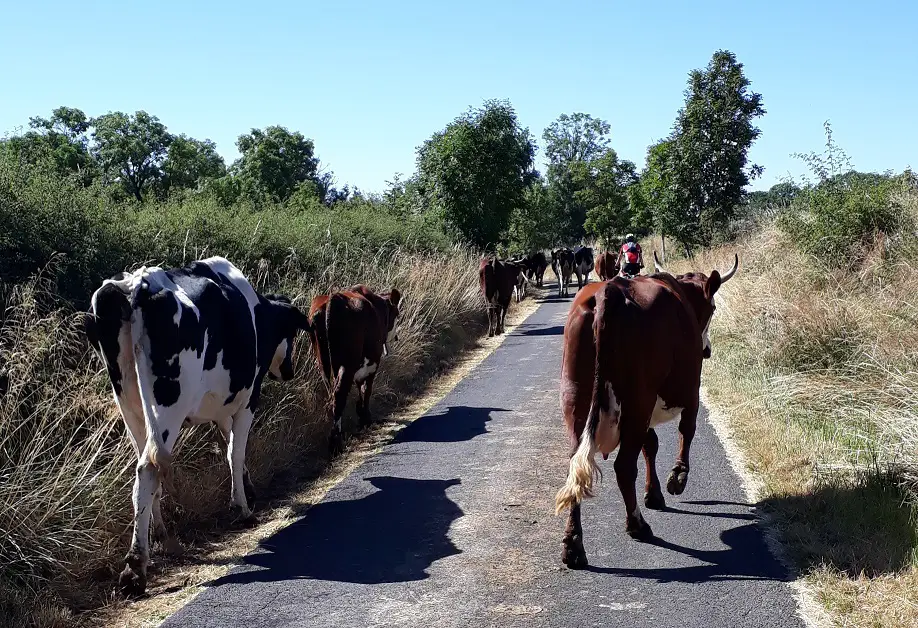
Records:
x=815, y=372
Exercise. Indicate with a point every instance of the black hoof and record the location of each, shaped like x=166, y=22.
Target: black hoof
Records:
x=654, y=500
x=335, y=443
x=250, y=497
x=639, y=531
x=242, y=518
x=678, y=478
x=133, y=581
x=573, y=555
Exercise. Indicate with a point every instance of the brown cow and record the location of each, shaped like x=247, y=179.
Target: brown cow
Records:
x=497, y=280
x=350, y=332
x=606, y=266
x=632, y=358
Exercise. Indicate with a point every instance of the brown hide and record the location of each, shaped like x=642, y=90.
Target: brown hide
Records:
x=349, y=330
x=606, y=267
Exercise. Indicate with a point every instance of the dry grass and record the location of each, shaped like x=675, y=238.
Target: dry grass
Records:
x=817, y=372
x=66, y=465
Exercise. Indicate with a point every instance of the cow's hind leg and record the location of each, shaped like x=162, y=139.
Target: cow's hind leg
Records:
x=572, y=553
x=363, y=400
x=626, y=475
x=238, y=440
x=160, y=533
x=133, y=580
x=343, y=383
x=678, y=477
x=653, y=495
x=225, y=427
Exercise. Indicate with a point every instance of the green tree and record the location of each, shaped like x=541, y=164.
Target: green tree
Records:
x=475, y=172
x=708, y=161
x=274, y=162
x=572, y=142
x=190, y=162
x=131, y=149
x=63, y=139
x=534, y=223
x=605, y=192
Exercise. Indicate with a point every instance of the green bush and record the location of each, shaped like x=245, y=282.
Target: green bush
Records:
x=46, y=215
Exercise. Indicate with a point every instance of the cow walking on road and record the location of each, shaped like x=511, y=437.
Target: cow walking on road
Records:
x=606, y=267
x=498, y=281
x=583, y=264
x=536, y=264
x=633, y=350
x=187, y=345
x=350, y=334
x=562, y=264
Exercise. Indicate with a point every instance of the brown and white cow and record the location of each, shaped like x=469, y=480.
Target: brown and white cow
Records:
x=562, y=264
x=633, y=350
x=606, y=266
x=498, y=281
x=350, y=332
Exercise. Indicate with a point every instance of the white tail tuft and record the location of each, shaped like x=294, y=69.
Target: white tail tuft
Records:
x=583, y=470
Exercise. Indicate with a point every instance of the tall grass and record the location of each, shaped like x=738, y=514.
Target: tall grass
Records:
x=816, y=368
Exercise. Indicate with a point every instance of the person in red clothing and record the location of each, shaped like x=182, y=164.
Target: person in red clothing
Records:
x=630, y=257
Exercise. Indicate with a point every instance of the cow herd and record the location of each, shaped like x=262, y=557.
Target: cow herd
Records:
x=192, y=345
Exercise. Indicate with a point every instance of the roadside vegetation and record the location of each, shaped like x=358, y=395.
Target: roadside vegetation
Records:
x=815, y=370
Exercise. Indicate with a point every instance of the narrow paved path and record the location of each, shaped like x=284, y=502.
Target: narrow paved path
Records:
x=452, y=524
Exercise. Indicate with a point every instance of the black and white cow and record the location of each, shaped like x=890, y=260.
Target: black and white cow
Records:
x=583, y=264
x=187, y=345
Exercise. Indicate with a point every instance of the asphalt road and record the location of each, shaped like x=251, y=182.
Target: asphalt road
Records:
x=452, y=524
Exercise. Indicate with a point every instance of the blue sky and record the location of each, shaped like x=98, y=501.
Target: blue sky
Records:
x=370, y=81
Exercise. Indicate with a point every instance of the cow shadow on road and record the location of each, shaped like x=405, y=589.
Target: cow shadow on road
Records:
x=746, y=558
x=391, y=535
x=456, y=424
x=538, y=330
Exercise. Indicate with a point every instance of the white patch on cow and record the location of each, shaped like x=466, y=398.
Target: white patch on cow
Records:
x=608, y=432
x=662, y=414
x=365, y=371
x=279, y=355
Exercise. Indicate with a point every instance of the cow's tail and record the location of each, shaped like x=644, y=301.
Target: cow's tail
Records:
x=583, y=470
x=155, y=448
x=335, y=322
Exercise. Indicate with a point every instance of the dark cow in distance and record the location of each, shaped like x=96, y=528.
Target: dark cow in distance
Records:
x=606, y=266
x=583, y=264
x=498, y=281
x=350, y=332
x=562, y=264
x=536, y=263
x=187, y=346
x=633, y=350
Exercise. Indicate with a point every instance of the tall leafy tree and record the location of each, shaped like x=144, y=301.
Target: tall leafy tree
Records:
x=275, y=162
x=190, y=162
x=605, y=192
x=63, y=139
x=707, y=160
x=131, y=149
x=572, y=143
x=534, y=223
x=475, y=172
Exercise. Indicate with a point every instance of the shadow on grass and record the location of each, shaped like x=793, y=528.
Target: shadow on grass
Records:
x=862, y=525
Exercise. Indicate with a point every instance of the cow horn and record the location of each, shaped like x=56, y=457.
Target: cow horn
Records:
x=729, y=274
x=657, y=265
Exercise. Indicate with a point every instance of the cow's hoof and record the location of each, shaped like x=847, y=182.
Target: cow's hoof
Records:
x=678, y=478
x=133, y=581
x=639, y=530
x=574, y=559
x=654, y=500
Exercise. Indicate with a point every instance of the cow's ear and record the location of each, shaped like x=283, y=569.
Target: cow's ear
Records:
x=395, y=296
x=712, y=285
